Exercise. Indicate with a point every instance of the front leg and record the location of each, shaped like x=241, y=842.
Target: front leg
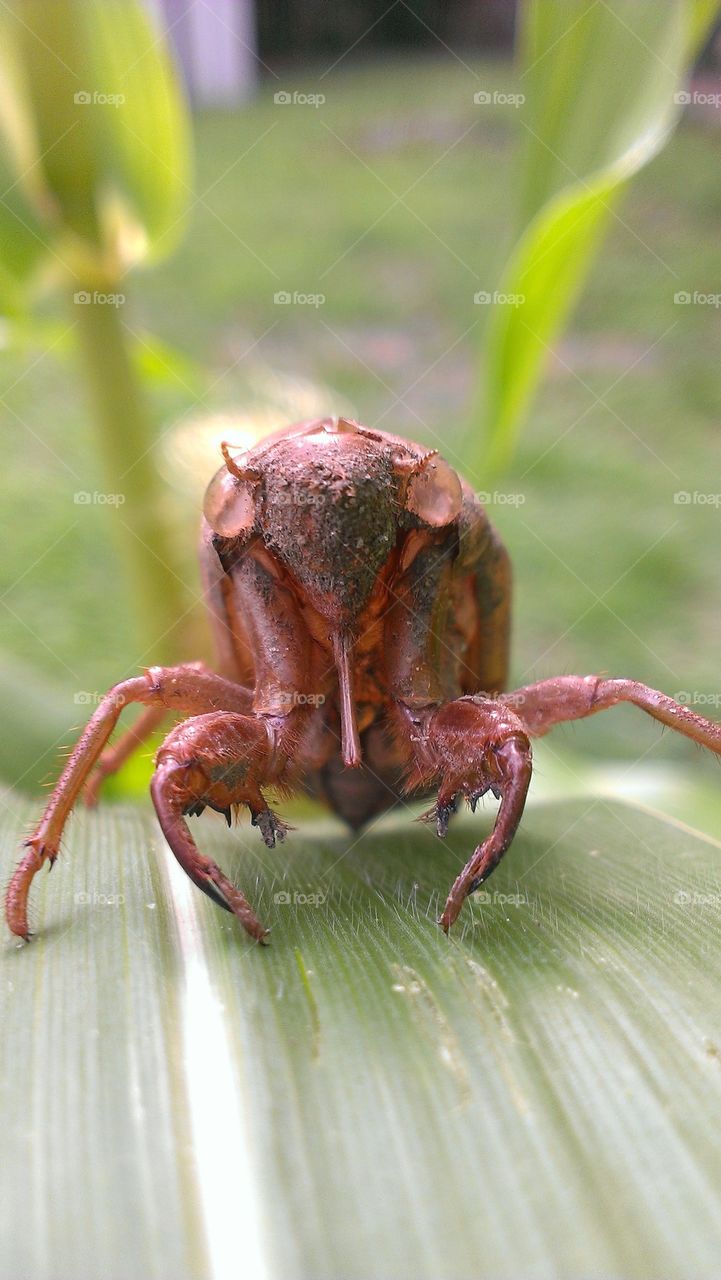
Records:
x=187, y=688
x=467, y=747
x=550, y=702
x=221, y=761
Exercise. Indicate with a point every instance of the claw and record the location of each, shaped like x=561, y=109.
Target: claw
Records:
x=443, y=815
x=480, y=792
x=216, y=893
x=41, y=850
x=271, y=827
x=194, y=808
x=212, y=890
x=512, y=761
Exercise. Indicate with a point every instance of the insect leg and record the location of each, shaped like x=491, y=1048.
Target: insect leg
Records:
x=219, y=761
x=467, y=747
x=186, y=688
x=113, y=758
x=170, y=797
x=543, y=705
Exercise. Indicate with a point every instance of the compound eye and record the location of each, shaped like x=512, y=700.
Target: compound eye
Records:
x=229, y=504
x=434, y=493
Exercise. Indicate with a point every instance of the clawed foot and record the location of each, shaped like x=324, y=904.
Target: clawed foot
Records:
x=442, y=811
x=271, y=827
x=38, y=850
x=473, y=746
x=511, y=762
x=208, y=877
x=440, y=814
x=452, y=909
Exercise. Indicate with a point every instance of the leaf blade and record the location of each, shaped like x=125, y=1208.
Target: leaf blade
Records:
x=602, y=100
x=524, y=1098
x=98, y=132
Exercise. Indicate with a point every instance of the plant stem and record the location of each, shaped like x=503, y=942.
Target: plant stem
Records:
x=156, y=594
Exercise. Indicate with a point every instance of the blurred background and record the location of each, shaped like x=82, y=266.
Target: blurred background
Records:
x=347, y=189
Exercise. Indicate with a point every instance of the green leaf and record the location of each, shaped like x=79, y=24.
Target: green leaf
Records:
x=162, y=365
x=39, y=718
x=96, y=131
x=158, y=363
x=22, y=234
x=601, y=83
x=538, y=1096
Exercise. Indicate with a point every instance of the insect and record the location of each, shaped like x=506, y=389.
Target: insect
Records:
x=360, y=602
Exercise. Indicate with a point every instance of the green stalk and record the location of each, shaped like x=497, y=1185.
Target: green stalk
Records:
x=143, y=530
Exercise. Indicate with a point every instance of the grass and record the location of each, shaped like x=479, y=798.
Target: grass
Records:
x=395, y=200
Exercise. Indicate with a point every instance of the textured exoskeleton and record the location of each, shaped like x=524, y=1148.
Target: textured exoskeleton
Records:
x=360, y=601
